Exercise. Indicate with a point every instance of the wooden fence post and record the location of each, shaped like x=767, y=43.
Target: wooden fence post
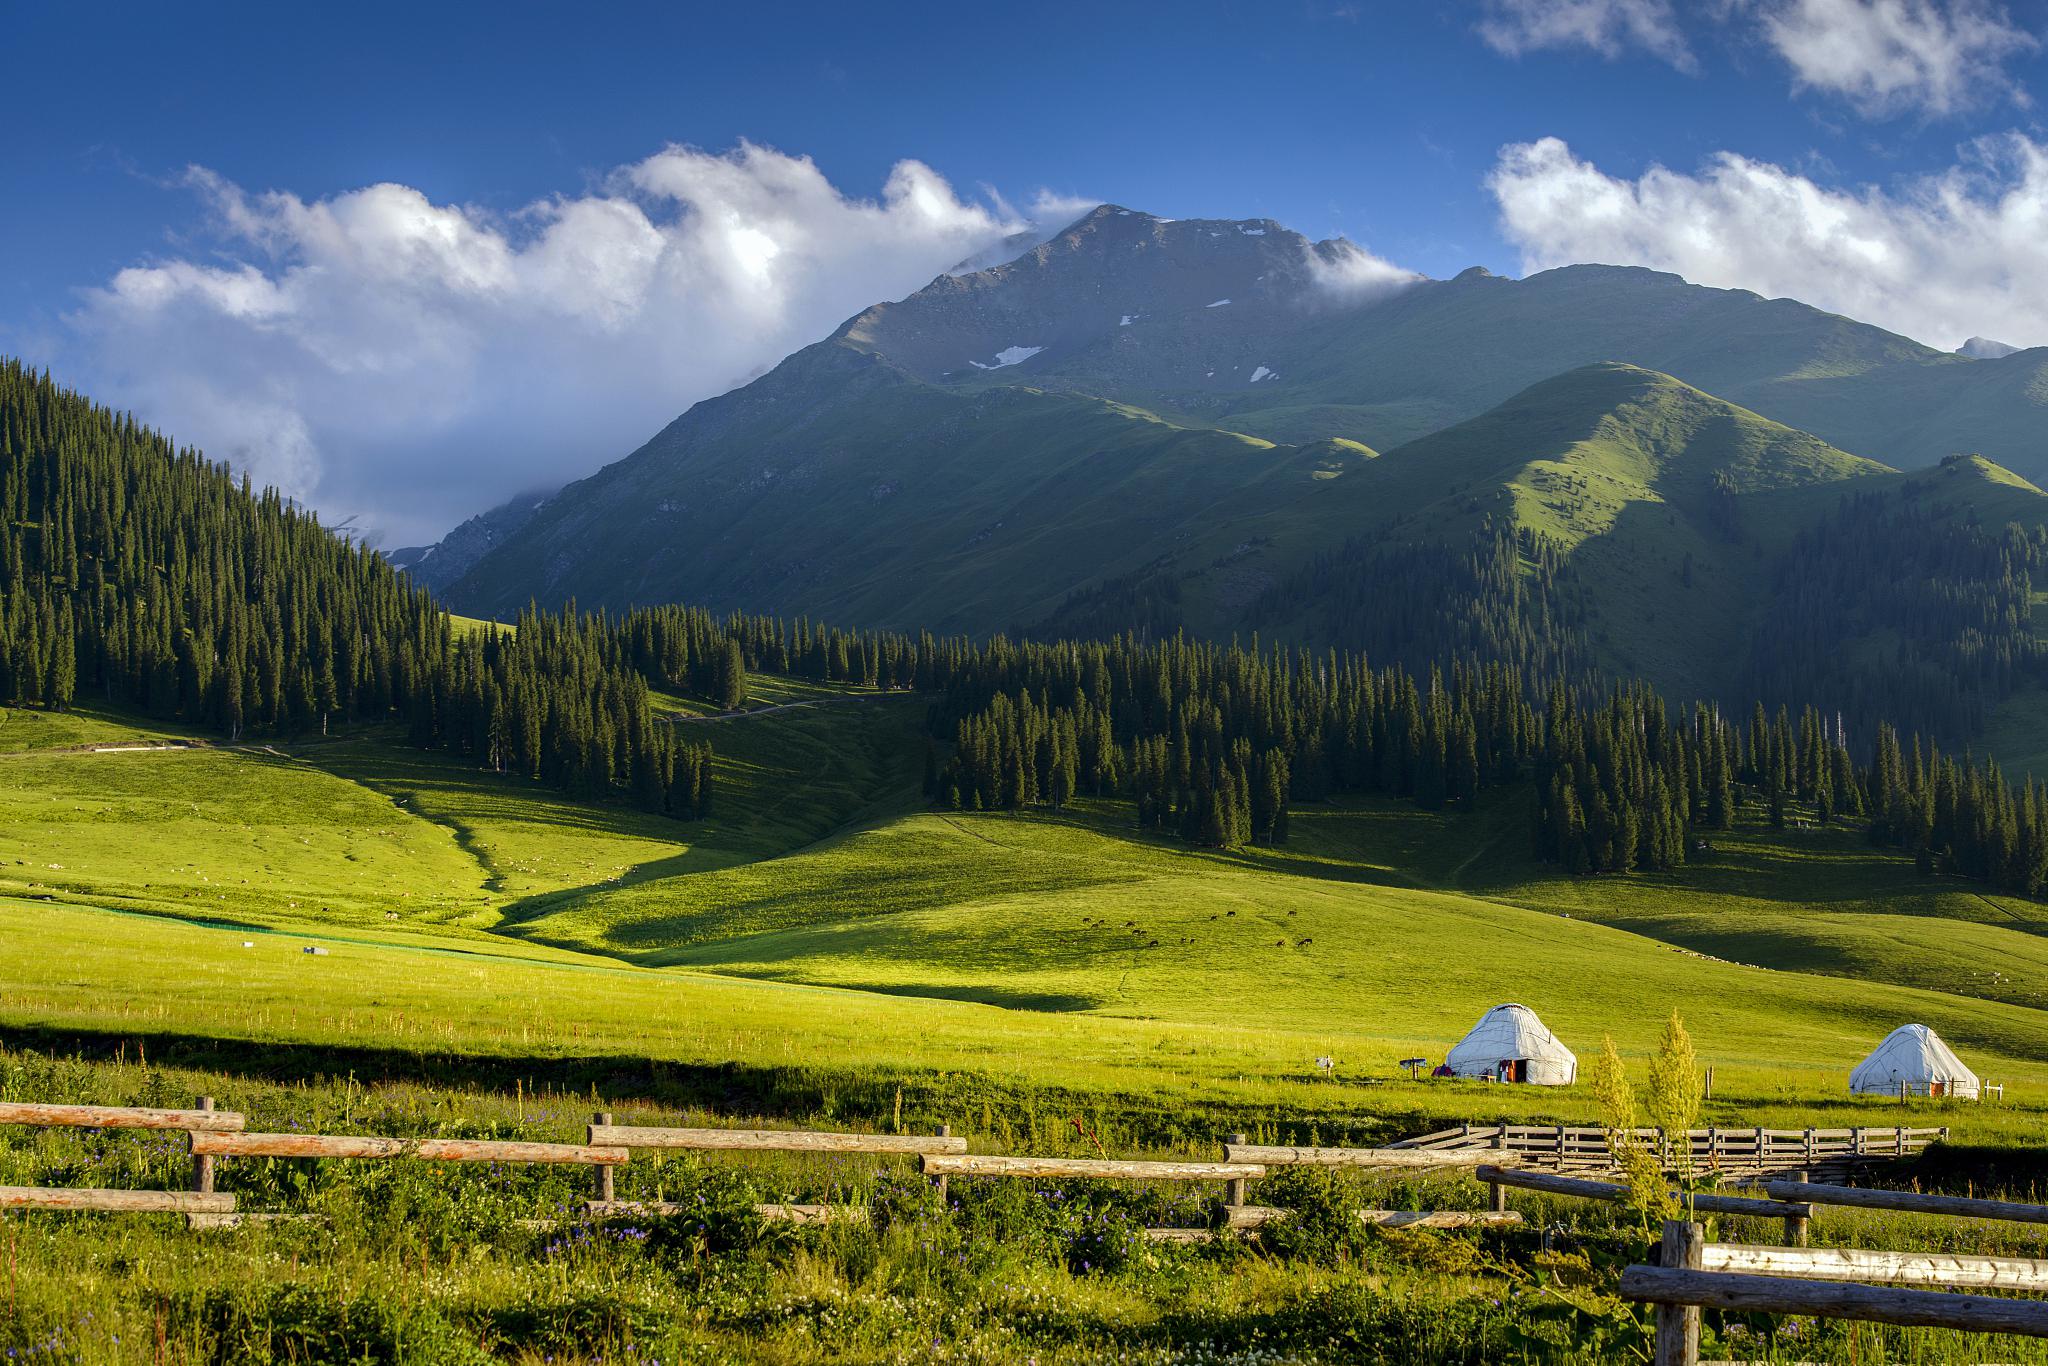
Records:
x=1707, y=1091
x=1795, y=1224
x=202, y=1164
x=945, y=1131
x=1234, y=1196
x=1678, y=1325
x=606, y=1191
x=1497, y=1198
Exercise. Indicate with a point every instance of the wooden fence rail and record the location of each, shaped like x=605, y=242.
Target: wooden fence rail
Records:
x=431, y=1149
x=1752, y=1151
x=934, y=1164
x=1909, y=1202
x=1285, y=1156
x=1876, y=1304
x=1683, y=1284
x=1890, y=1268
x=780, y=1211
x=120, y=1117
x=1604, y=1190
x=1249, y=1219
x=770, y=1140
x=115, y=1201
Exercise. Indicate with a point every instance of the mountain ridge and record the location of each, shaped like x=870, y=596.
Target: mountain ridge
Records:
x=1138, y=409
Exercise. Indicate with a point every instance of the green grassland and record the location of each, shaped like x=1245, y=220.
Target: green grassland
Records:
x=823, y=950
x=820, y=919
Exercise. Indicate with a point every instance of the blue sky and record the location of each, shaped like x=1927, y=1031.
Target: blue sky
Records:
x=1903, y=136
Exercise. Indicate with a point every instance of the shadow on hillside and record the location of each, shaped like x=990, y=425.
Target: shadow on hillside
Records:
x=1309, y=866
x=848, y=1094
x=1049, y=1002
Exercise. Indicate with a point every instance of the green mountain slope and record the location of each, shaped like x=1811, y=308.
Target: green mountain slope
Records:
x=1666, y=503
x=978, y=454
x=895, y=502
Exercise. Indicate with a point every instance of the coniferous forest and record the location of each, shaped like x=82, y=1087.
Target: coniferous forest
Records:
x=1951, y=595
x=143, y=575
x=139, y=573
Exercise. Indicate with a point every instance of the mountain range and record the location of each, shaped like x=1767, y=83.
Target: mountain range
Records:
x=1145, y=423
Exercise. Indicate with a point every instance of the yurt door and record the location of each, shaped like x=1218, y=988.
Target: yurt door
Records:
x=1937, y=1088
x=1515, y=1069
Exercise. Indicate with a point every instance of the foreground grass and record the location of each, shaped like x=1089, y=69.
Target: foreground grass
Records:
x=430, y=1263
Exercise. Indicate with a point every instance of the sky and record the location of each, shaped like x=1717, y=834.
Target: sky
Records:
x=405, y=261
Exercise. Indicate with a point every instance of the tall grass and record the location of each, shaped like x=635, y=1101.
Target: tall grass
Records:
x=420, y=1262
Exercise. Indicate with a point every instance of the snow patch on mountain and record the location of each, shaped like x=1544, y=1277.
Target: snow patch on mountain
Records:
x=1008, y=356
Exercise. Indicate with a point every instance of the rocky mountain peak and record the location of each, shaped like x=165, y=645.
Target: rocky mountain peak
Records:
x=1983, y=348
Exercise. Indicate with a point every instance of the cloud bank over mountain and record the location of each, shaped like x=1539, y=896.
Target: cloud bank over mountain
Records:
x=1940, y=258
x=384, y=356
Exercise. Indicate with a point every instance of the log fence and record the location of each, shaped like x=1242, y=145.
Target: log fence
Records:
x=1891, y=1268
x=428, y=1149
x=1908, y=1202
x=1826, y=1283
x=1502, y=1156
x=204, y=1119
x=1719, y=1151
x=1793, y=1279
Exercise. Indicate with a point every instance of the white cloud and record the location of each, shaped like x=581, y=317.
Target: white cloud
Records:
x=380, y=355
x=1894, y=56
x=1611, y=28
x=1350, y=274
x=1939, y=258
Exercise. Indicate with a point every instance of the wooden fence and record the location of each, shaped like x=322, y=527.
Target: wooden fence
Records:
x=1692, y=1274
x=1794, y=1214
x=1908, y=1202
x=1520, y=1156
x=1723, y=1152
x=1791, y=1279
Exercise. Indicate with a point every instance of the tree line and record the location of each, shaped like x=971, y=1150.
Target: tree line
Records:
x=138, y=572
x=1950, y=596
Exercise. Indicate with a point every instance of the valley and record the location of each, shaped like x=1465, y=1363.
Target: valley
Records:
x=1399, y=926
x=1050, y=748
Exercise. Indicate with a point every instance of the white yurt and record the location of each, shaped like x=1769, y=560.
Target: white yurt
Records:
x=1913, y=1056
x=1510, y=1044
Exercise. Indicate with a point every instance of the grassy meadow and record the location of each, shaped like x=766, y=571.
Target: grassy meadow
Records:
x=822, y=919
x=824, y=950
